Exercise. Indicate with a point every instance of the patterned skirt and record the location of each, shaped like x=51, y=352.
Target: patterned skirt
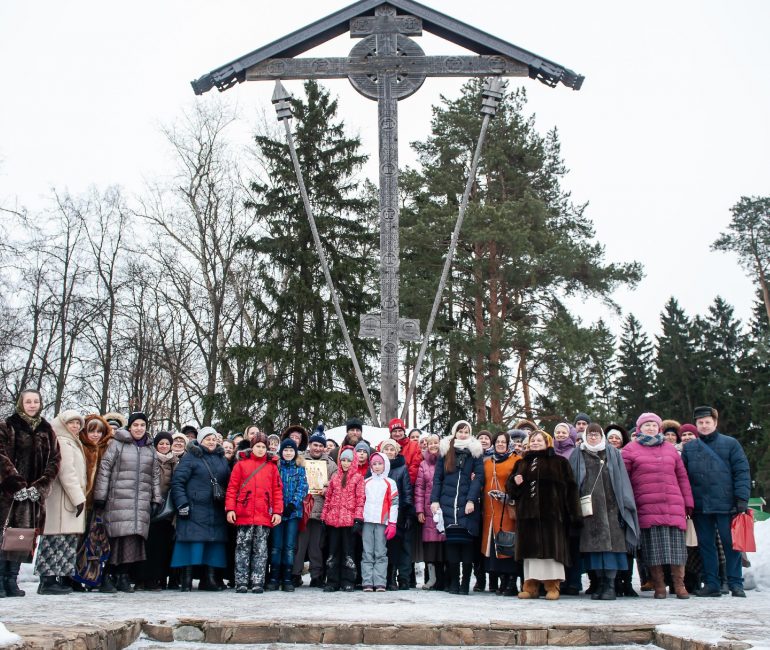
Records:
x=56, y=555
x=663, y=545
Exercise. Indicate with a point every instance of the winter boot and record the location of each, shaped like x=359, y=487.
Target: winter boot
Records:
x=392, y=581
x=626, y=586
x=502, y=584
x=593, y=584
x=209, y=580
x=453, y=569
x=2, y=587
x=481, y=578
x=465, y=584
x=510, y=588
x=123, y=584
x=11, y=580
x=656, y=573
x=173, y=579
x=440, y=577
x=108, y=584
x=530, y=589
x=49, y=586
x=185, y=578
x=413, y=579
x=607, y=591
x=677, y=574
x=493, y=582
x=596, y=594
x=430, y=571
x=551, y=589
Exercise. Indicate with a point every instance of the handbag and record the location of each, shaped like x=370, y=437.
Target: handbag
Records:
x=18, y=540
x=217, y=493
x=742, y=529
x=586, y=502
x=167, y=510
x=307, y=508
x=690, y=536
x=505, y=540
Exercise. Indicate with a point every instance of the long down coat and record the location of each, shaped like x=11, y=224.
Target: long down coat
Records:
x=547, y=505
x=128, y=481
x=453, y=490
x=27, y=459
x=191, y=486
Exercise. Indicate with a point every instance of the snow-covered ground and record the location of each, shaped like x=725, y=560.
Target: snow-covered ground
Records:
x=699, y=618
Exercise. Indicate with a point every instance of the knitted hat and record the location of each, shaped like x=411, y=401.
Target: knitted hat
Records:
x=689, y=428
x=389, y=442
x=346, y=452
x=582, y=417
x=705, y=412
x=396, y=423
x=288, y=442
x=620, y=430
x=163, y=435
x=461, y=423
x=648, y=417
x=318, y=436
x=354, y=423
x=180, y=436
x=136, y=415
x=205, y=432
x=259, y=437
x=363, y=446
x=377, y=456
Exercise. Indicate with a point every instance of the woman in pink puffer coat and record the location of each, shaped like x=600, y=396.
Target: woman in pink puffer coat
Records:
x=432, y=540
x=663, y=501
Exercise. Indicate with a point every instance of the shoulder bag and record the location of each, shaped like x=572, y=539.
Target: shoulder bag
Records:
x=217, y=493
x=17, y=540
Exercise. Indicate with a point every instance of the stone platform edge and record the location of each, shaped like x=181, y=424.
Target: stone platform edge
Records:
x=118, y=635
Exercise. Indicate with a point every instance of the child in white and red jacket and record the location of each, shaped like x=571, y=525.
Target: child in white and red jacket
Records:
x=380, y=516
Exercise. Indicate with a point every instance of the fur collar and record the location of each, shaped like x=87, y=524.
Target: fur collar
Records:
x=195, y=448
x=16, y=422
x=474, y=446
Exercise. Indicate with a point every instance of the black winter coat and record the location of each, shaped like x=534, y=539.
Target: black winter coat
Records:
x=453, y=490
x=191, y=486
x=399, y=472
x=547, y=505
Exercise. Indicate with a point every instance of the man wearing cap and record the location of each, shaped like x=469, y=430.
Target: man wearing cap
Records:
x=581, y=423
x=721, y=482
x=311, y=540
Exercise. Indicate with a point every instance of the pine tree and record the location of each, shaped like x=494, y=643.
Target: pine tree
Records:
x=602, y=370
x=755, y=369
x=677, y=380
x=635, y=386
x=308, y=374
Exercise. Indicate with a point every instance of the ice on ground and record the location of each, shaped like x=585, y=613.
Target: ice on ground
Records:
x=7, y=638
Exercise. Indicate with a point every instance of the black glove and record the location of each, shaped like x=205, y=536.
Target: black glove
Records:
x=741, y=505
x=407, y=523
x=79, y=509
x=99, y=505
x=154, y=509
x=358, y=526
x=184, y=511
x=288, y=510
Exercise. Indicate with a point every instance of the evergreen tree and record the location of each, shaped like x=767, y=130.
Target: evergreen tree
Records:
x=635, y=372
x=307, y=372
x=755, y=368
x=524, y=247
x=677, y=380
x=602, y=370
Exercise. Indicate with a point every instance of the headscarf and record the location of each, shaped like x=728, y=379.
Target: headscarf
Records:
x=564, y=448
x=599, y=446
x=94, y=451
x=32, y=420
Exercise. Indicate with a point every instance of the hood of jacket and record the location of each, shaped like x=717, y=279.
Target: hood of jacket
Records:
x=59, y=425
x=474, y=446
x=386, y=460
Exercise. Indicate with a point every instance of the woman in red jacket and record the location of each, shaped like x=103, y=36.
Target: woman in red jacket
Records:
x=254, y=503
x=343, y=510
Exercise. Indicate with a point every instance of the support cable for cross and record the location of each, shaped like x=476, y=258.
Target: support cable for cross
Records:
x=283, y=113
x=491, y=94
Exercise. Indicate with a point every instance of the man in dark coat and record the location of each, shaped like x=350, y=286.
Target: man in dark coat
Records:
x=29, y=464
x=721, y=482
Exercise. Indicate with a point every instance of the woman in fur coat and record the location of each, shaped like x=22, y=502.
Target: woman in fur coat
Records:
x=457, y=485
x=611, y=532
x=65, y=522
x=29, y=463
x=547, y=505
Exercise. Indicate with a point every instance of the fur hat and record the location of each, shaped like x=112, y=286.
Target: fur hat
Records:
x=302, y=432
x=188, y=429
x=517, y=434
x=704, y=412
x=163, y=435
x=670, y=425
x=647, y=417
x=204, y=433
x=118, y=420
x=620, y=430
x=461, y=423
x=525, y=424
x=354, y=423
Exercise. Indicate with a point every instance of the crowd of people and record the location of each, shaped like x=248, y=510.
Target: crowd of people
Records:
x=526, y=512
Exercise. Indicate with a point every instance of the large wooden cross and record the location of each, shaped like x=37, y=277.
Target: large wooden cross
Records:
x=386, y=65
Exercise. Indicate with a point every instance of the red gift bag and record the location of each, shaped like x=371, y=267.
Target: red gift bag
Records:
x=742, y=528
x=307, y=508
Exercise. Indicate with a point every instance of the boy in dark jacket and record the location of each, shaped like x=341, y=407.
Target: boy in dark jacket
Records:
x=400, y=548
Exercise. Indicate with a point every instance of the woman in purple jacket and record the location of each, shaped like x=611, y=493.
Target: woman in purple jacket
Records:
x=663, y=500
x=432, y=540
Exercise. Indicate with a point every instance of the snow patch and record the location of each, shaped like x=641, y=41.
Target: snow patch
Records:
x=8, y=638
x=759, y=572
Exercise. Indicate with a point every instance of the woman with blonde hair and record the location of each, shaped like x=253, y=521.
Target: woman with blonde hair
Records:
x=547, y=505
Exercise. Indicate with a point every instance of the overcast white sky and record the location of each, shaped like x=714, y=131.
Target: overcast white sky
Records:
x=669, y=130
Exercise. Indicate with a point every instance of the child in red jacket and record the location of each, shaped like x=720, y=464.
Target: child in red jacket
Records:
x=343, y=510
x=254, y=503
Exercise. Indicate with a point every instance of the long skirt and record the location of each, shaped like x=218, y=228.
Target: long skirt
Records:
x=56, y=555
x=199, y=553
x=663, y=545
x=126, y=550
x=433, y=552
x=160, y=544
x=538, y=569
x=605, y=561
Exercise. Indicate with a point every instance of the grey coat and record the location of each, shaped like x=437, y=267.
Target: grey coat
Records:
x=615, y=519
x=128, y=481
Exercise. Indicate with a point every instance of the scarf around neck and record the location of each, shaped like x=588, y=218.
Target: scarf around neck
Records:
x=649, y=441
x=599, y=446
x=462, y=444
x=32, y=420
x=499, y=458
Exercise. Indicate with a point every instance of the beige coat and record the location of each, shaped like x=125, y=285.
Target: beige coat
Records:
x=69, y=488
